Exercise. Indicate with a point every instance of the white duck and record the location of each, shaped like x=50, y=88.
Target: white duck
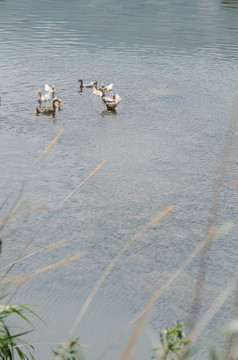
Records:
x=108, y=87
x=50, y=90
x=97, y=92
x=42, y=98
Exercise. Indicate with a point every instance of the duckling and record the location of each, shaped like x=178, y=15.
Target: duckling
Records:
x=90, y=85
x=110, y=102
x=49, y=109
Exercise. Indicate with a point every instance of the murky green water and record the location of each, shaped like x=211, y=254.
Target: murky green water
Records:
x=174, y=64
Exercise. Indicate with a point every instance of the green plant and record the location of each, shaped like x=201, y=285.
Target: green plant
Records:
x=171, y=342
x=11, y=342
x=70, y=352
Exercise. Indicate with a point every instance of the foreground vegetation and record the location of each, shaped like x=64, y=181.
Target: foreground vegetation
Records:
x=174, y=343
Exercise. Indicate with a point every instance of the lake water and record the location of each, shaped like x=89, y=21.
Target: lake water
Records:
x=174, y=64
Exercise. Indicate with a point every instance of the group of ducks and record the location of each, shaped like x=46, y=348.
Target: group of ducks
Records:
x=49, y=93
x=111, y=102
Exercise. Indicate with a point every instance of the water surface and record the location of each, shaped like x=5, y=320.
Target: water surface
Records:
x=174, y=64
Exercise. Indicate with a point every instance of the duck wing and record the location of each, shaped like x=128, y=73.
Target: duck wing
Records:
x=108, y=99
x=97, y=92
x=90, y=85
x=47, y=109
x=117, y=98
x=46, y=97
x=48, y=89
x=109, y=87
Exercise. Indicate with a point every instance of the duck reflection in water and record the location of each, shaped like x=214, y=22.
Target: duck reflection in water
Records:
x=108, y=112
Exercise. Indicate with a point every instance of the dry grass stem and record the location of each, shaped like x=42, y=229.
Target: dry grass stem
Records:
x=109, y=269
x=229, y=336
x=28, y=276
x=234, y=350
x=127, y=354
x=48, y=218
x=48, y=149
x=38, y=208
x=162, y=214
x=32, y=210
x=98, y=168
x=144, y=313
x=129, y=350
x=229, y=138
x=48, y=343
x=45, y=248
x=12, y=212
x=42, y=156
x=78, y=186
x=210, y=313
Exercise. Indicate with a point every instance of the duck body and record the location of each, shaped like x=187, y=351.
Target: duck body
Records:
x=42, y=98
x=97, y=92
x=92, y=84
x=110, y=102
x=49, y=109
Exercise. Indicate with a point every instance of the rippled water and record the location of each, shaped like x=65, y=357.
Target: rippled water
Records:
x=174, y=64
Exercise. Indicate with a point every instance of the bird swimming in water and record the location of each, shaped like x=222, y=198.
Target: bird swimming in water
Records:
x=97, y=92
x=42, y=98
x=110, y=102
x=108, y=87
x=49, y=109
x=50, y=90
x=89, y=85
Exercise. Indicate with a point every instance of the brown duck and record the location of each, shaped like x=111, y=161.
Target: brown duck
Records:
x=49, y=109
x=92, y=84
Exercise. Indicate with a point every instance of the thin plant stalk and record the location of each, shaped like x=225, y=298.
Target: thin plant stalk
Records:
x=12, y=212
x=41, y=157
x=28, y=276
x=211, y=312
x=159, y=292
x=50, y=216
x=127, y=354
x=228, y=339
x=109, y=268
x=229, y=138
x=45, y=248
